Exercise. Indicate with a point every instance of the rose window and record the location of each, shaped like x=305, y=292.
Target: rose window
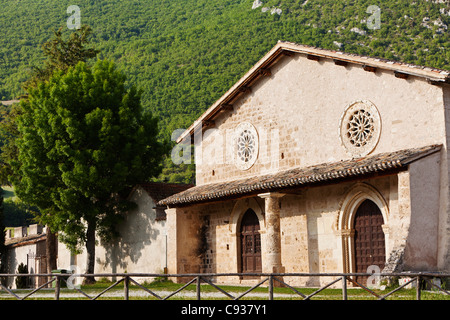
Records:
x=246, y=145
x=360, y=128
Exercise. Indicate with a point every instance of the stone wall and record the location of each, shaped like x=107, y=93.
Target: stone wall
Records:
x=141, y=247
x=421, y=250
x=311, y=235
x=184, y=226
x=444, y=214
x=297, y=111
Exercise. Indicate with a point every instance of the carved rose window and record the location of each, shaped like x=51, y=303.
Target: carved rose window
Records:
x=246, y=143
x=360, y=128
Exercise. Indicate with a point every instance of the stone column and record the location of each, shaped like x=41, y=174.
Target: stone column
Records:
x=272, y=253
x=347, y=238
x=172, y=238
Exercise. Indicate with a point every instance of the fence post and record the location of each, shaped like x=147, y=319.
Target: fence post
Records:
x=126, y=284
x=270, y=287
x=418, y=288
x=344, y=287
x=198, y=288
x=57, y=286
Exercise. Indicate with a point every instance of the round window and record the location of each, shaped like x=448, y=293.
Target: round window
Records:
x=247, y=145
x=360, y=128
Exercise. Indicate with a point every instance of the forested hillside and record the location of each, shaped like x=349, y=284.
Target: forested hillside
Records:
x=184, y=54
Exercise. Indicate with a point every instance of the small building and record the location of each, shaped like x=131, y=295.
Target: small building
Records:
x=318, y=161
x=26, y=245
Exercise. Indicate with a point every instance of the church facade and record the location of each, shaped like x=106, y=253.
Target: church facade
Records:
x=318, y=161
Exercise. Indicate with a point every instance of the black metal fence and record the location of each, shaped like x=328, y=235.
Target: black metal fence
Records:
x=270, y=279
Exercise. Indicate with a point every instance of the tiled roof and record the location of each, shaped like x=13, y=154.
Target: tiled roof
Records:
x=161, y=190
x=22, y=241
x=417, y=70
x=298, y=177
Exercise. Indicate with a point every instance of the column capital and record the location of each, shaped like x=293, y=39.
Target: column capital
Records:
x=346, y=232
x=271, y=195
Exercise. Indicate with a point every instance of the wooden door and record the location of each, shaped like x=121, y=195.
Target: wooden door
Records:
x=369, y=242
x=250, y=243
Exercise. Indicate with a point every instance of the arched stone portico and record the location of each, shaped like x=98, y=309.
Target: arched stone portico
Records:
x=240, y=208
x=269, y=218
x=345, y=221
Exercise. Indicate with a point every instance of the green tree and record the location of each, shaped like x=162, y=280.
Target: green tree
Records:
x=84, y=142
x=61, y=54
x=8, y=135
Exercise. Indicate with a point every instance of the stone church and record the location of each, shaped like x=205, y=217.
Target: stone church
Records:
x=318, y=161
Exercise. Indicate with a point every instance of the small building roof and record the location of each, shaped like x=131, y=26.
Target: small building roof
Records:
x=283, y=49
x=379, y=164
x=161, y=190
x=23, y=241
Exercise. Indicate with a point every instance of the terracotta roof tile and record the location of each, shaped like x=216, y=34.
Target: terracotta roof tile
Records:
x=161, y=190
x=298, y=177
x=357, y=57
x=22, y=241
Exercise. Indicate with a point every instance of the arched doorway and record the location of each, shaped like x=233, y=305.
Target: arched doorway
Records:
x=369, y=241
x=250, y=243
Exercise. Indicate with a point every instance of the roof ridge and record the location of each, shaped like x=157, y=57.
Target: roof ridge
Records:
x=389, y=61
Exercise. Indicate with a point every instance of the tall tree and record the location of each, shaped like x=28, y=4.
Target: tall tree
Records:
x=60, y=54
x=84, y=142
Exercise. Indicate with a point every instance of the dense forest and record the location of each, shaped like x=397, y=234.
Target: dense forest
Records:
x=184, y=54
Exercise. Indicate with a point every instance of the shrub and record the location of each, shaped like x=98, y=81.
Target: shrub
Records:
x=22, y=282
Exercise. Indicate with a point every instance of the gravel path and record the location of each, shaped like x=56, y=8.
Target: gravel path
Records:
x=136, y=293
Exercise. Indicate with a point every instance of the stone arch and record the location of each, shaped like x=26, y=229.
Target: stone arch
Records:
x=240, y=208
x=344, y=223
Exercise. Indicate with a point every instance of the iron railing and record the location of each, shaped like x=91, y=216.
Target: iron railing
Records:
x=272, y=279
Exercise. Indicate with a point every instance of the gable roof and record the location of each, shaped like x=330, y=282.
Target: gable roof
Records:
x=161, y=190
x=281, y=49
x=385, y=163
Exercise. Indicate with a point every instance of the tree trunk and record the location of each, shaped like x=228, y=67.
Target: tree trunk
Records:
x=51, y=250
x=90, y=250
